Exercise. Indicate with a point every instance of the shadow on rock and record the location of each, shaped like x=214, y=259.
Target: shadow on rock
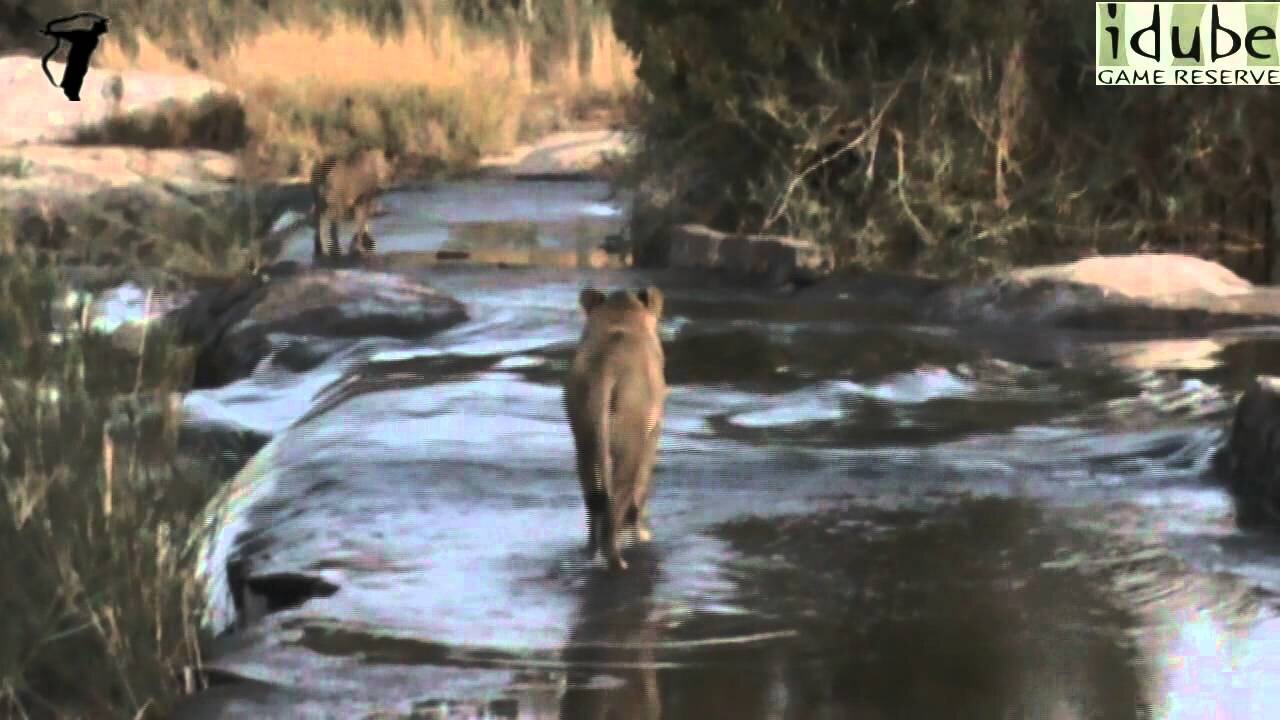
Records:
x=256, y=596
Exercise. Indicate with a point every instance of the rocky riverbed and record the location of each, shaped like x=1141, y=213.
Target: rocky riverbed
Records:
x=403, y=537
x=876, y=495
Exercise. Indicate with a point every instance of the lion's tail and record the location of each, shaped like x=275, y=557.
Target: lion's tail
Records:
x=597, y=410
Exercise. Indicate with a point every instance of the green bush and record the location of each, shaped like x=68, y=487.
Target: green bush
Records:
x=975, y=135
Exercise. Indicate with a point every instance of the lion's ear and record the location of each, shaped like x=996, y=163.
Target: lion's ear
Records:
x=651, y=297
x=590, y=299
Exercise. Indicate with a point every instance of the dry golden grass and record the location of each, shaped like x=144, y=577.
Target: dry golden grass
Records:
x=444, y=55
x=612, y=66
x=444, y=80
x=348, y=55
x=150, y=57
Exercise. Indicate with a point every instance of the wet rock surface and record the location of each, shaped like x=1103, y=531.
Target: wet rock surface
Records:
x=284, y=307
x=1137, y=294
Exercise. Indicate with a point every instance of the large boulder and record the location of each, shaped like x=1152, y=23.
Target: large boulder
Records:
x=1251, y=458
x=1140, y=292
x=237, y=325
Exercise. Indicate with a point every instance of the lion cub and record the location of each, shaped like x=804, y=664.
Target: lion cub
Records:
x=614, y=397
x=343, y=186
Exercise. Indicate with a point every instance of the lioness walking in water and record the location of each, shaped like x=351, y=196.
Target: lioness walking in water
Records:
x=344, y=186
x=614, y=397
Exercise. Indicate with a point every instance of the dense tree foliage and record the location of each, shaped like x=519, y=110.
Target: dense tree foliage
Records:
x=973, y=134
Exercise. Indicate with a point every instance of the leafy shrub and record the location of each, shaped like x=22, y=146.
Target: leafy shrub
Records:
x=974, y=135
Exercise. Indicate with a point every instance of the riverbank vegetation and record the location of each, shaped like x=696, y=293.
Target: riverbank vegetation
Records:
x=99, y=602
x=98, y=502
x=947, y=138
x=440, y=80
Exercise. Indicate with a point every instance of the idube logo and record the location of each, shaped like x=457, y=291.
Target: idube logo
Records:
x=1164, y=43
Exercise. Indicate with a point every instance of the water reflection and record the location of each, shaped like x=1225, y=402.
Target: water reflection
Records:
x=896, y=614
x=494, y=218
x=977, y=608
x=611, y=646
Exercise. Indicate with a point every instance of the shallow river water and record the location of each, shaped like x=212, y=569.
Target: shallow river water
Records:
x=855, y=515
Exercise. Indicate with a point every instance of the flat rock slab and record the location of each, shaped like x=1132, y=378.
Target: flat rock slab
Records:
x=1155, y=292
x=34, y=111
x=240, y=324
x=68, y=170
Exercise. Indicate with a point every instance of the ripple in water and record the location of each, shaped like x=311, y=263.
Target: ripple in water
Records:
x=806, y=546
